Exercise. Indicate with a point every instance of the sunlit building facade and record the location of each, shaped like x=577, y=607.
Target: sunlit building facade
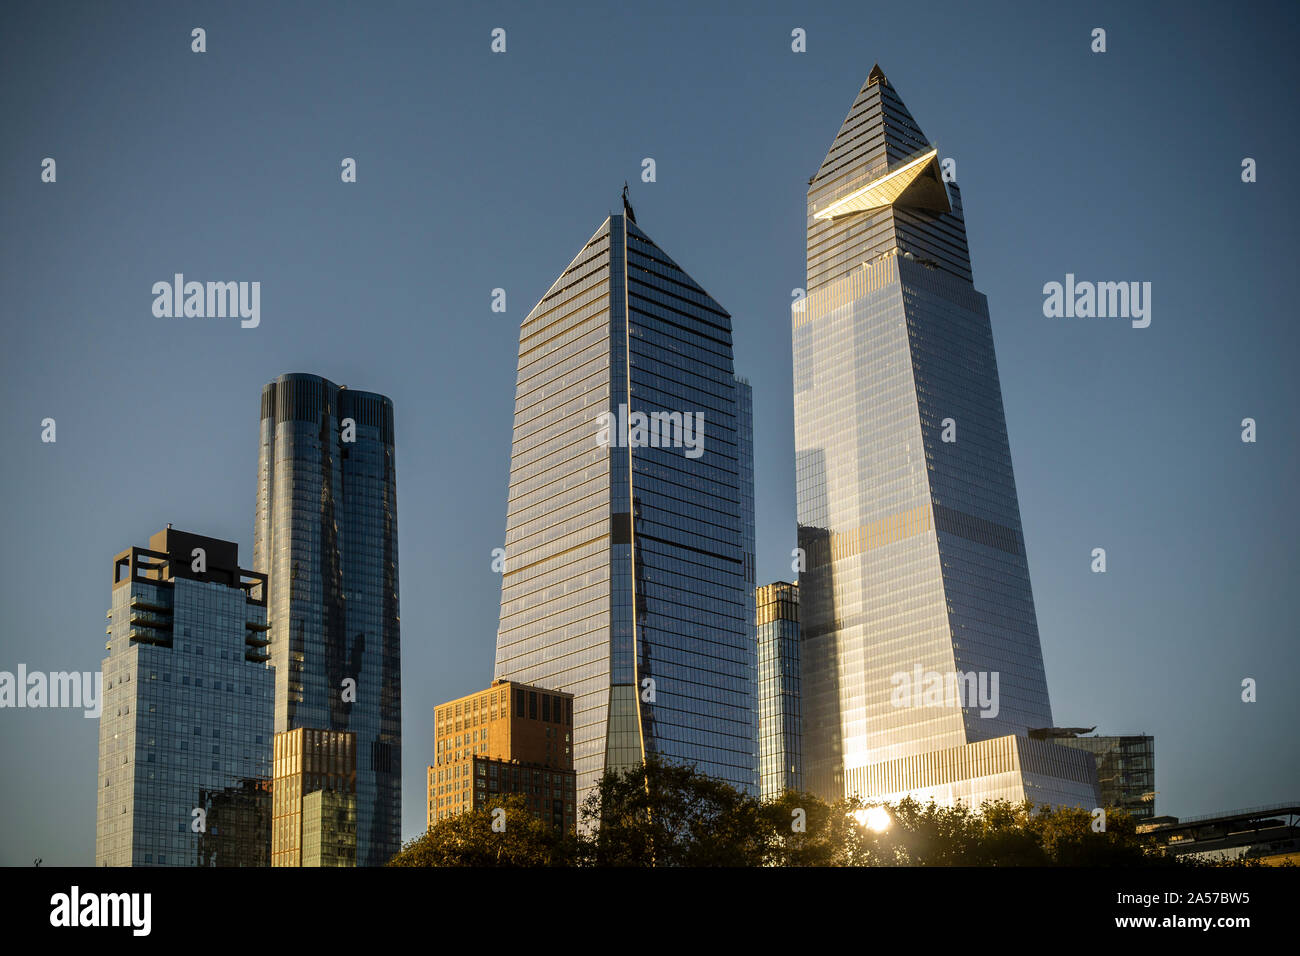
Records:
x=509, y=738
x=314, y=792
x=185, y=726
x=625, y=572
x=326, y=534
x=780, y=723
x=909, y=522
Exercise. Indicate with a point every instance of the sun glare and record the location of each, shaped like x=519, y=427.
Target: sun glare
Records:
x=876, y=819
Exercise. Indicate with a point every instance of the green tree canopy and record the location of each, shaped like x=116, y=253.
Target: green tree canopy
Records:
x=663, y=814
x=470, y=839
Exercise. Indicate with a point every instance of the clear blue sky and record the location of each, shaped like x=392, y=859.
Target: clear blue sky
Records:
x=479, y=171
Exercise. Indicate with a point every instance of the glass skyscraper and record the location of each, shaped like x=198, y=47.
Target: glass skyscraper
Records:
x=185, y=730
x=908, y=516
x=780, y=722
x=625, y=578
x=326, y=534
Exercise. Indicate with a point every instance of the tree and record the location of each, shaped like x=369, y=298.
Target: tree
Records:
x=664, y=814
x=1002, y=833
x=470, y=839
x=1067, y=837
x=801, y=829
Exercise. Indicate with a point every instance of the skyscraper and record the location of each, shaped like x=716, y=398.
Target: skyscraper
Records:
x=749, y=538
x=326, y=534
x=185, y=730
x=624, y=580
x=908, y=515
x=780, y=722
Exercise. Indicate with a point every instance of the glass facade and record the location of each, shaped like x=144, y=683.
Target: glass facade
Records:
x=185, y=730
x=329, y=828
x=780, y=723
x=1012, y=768
x=1126, y=770
x=745, y=441
x=326, y=534
x=625, y=573
x=907, y=508
x=314, y=820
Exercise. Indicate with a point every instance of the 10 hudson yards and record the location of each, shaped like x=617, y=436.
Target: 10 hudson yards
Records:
x=769, y=567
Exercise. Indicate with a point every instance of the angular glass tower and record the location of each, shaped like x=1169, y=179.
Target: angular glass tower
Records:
x=625, y=572
x=915, y=560
x=326, y=535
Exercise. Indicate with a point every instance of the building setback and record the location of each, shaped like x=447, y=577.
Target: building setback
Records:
x=510, y=738
x=908, y=517
x=625, y=580
x=780, y=726
x=326, y=534
x=185, y=730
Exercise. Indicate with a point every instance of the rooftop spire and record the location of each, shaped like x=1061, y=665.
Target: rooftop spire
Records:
x=878, y=132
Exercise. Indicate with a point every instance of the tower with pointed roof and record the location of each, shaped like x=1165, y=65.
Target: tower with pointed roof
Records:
x=628, y=577
x=923, y=671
